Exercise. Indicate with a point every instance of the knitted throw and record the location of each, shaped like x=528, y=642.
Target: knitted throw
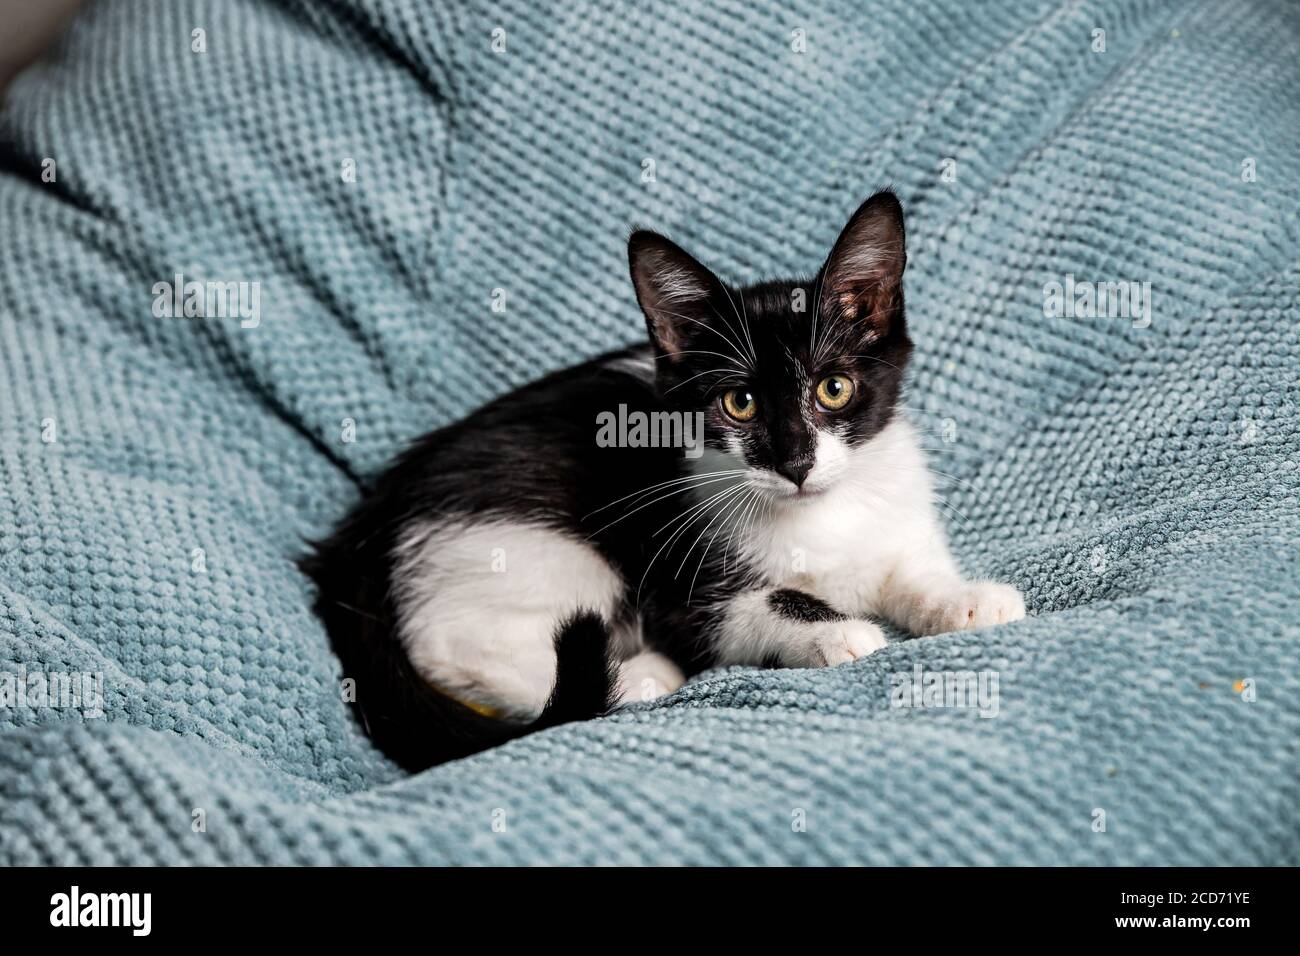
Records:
x=416, y=205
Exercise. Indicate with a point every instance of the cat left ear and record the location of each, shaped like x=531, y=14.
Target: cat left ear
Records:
x=672, y=289
x=862, y=280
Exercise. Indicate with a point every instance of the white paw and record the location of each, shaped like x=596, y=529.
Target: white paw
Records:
x=646, y=676
x=964, y=606
x=838, y=642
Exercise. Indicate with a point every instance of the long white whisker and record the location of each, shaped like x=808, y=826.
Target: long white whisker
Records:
x=701, y=535
x=875, y=359
x=827, y=344
x=957, y=513
x=694, y=514
x=730, y=328
x=943, y=474
x=748, y=520
x=650, y=489
x=676, y=491
x=698, y=505
x=744, y=361
x=728, y=358
x=744, y=311
x=744, y=322
x=712, y=371
x=740, y=503
x=817, y=307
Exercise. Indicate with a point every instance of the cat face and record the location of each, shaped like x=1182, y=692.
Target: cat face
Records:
x=793, y=377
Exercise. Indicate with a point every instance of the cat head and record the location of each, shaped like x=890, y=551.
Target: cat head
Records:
x=793, y=377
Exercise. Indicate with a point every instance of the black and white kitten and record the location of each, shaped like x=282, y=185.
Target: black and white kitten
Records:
x=512, y=571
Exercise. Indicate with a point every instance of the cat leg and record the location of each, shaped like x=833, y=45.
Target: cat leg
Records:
x=792, y=627
x=925, y=594
x=480, y=600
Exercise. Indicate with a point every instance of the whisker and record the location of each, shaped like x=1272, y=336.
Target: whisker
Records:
x=739, y=503
x=934, y=471
x=731, y=328
x=749, y=518
x=965, y=521
x=745, y=362
x=727, y=358
x=817, y=309
x=694, y=514
x=842, y=329
x=712, y=371
x=649, y=489
x=744, y=322
x=693, y=507
x=670, y=494
x=744, y=311
x=875, y=359
x=701, y=535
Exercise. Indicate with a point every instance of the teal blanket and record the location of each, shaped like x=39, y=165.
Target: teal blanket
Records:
x=417, y=205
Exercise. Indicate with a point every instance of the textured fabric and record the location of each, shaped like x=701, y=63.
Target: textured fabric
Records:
x=1137, y=480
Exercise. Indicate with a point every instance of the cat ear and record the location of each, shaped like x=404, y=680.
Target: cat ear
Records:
x=672, y=289
x=862, y=280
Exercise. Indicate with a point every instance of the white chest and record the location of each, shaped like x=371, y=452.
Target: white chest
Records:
x=843, y=544
x=840, y=550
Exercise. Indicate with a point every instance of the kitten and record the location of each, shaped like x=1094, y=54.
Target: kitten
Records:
x=510, y=571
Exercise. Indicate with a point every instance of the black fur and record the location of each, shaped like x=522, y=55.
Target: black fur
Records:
x=800, y=606
x=532, y=453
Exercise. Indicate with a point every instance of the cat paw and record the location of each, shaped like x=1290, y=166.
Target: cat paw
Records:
x=838, y=642
x=646, y=676
x=962, y=607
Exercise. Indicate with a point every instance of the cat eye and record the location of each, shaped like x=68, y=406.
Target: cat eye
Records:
x=740, y=404
x=834, y=392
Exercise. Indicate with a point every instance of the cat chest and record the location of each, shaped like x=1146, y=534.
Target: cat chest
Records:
x=832, y=555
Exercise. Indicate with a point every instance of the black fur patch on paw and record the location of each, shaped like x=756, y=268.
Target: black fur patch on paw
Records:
x=799, y=606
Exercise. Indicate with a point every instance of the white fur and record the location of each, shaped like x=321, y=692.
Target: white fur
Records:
x=940, y=605
x=865, y=511
x=677, y=285
x=647, y=675
x=863, y=537
x=750, y=631
x=479, y=603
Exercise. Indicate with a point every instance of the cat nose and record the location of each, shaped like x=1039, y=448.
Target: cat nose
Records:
x=796, y=470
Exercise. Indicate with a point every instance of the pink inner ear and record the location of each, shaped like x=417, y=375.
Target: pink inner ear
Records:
x=869, y=301
x=848, y=305
x=851, y=307
x=864, y=282
x=866, y=265
x=670, y=285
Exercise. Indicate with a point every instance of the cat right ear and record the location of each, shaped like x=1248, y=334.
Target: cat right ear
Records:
x=862, y=279
x=672, y=289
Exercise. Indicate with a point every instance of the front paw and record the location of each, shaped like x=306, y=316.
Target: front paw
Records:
x=963, y=606
x=838, y=642
x=647, y=676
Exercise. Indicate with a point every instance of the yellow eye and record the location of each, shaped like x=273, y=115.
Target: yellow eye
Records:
x=834, y=392
x=740, y=404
